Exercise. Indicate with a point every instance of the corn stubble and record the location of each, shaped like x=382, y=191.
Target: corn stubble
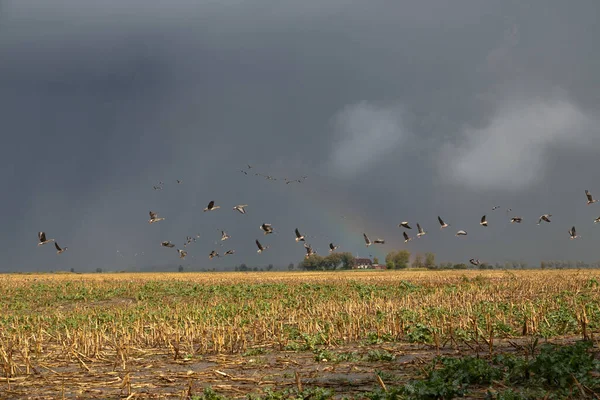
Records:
x=52, y=323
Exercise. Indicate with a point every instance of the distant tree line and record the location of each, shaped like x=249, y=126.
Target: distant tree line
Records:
x=333, y=261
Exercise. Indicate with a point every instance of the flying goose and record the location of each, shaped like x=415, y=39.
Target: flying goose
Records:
x=309, y=250
x=590, y=199
x=182, y=253
x=461, y=233
x=299, y=237
x=267, y=228
x=518, y=220
x=379, y=241
x=229, y=252
x=167, y=244
x=404, y=224
x=406, y=238
x=261, y=248
x=213, y=254
x=474, y=261
x=211, y=206
x=442, y=223
x=421, y=231
x=58, y=249
x=154, y=217
x=179, y=181
x=573, y=233
x=483, y=221
x=495, y=208
x=224, y=235
x=240, y=208
x=367, y=240
x=42, y=239
x=332, y=248
x=597, y=220
x=545, y=217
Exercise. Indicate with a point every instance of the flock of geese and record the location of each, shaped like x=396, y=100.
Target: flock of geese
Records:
x=268, y=229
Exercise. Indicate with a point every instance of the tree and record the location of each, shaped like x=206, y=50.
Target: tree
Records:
x=72, y=269
x=429, y=260
x=375, y=260
x=389, y=260
x=269, y=267
x=348, y=260
x=312, y=263
x=243, y=267
x=180, y=269
x=523, y=265
x=99, y=270
x=402, y=258
x=332, y=261
x=290, y=266
x=418, y=261
x=397, y=259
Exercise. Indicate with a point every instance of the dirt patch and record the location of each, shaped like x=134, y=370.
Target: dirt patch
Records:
x=156, y=374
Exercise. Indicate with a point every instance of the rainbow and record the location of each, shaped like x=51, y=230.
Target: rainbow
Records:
x=350, y=223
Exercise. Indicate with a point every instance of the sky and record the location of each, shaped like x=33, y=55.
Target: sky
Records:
x=393, y=110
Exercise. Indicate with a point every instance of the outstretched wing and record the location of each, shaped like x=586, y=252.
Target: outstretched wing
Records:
x=405, y=235
x=211, y=204
x=258, y=245
x=298, y=233
x=440, y=220
x=57, y=246
x=367, y=241
x=588, y=195
x=42, y=236
x=483, y=219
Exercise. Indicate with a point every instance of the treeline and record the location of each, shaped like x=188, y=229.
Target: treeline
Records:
x=402, y=259
x=333, y=261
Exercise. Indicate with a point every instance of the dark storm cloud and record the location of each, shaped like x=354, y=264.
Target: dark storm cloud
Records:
x=406, y=109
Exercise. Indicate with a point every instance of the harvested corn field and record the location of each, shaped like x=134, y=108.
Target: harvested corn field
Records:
x=331, y=334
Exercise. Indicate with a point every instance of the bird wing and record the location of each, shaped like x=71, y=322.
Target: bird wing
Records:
x=42, y=236
x=298, y=233
x=441, y=220
x=331, y=246
x=483, y=219
x=57, y=246
x=366, y=238
x=588, y=195
x=405, y=235
x=258, y=244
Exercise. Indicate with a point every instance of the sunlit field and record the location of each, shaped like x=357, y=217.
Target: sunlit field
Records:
x=354, y=334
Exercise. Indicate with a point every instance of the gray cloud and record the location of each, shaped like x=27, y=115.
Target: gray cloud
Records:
x=512, y=151
x=364, y=133
x=101, y=101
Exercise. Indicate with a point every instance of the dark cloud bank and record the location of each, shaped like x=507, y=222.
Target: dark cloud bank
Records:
x=394, y=110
